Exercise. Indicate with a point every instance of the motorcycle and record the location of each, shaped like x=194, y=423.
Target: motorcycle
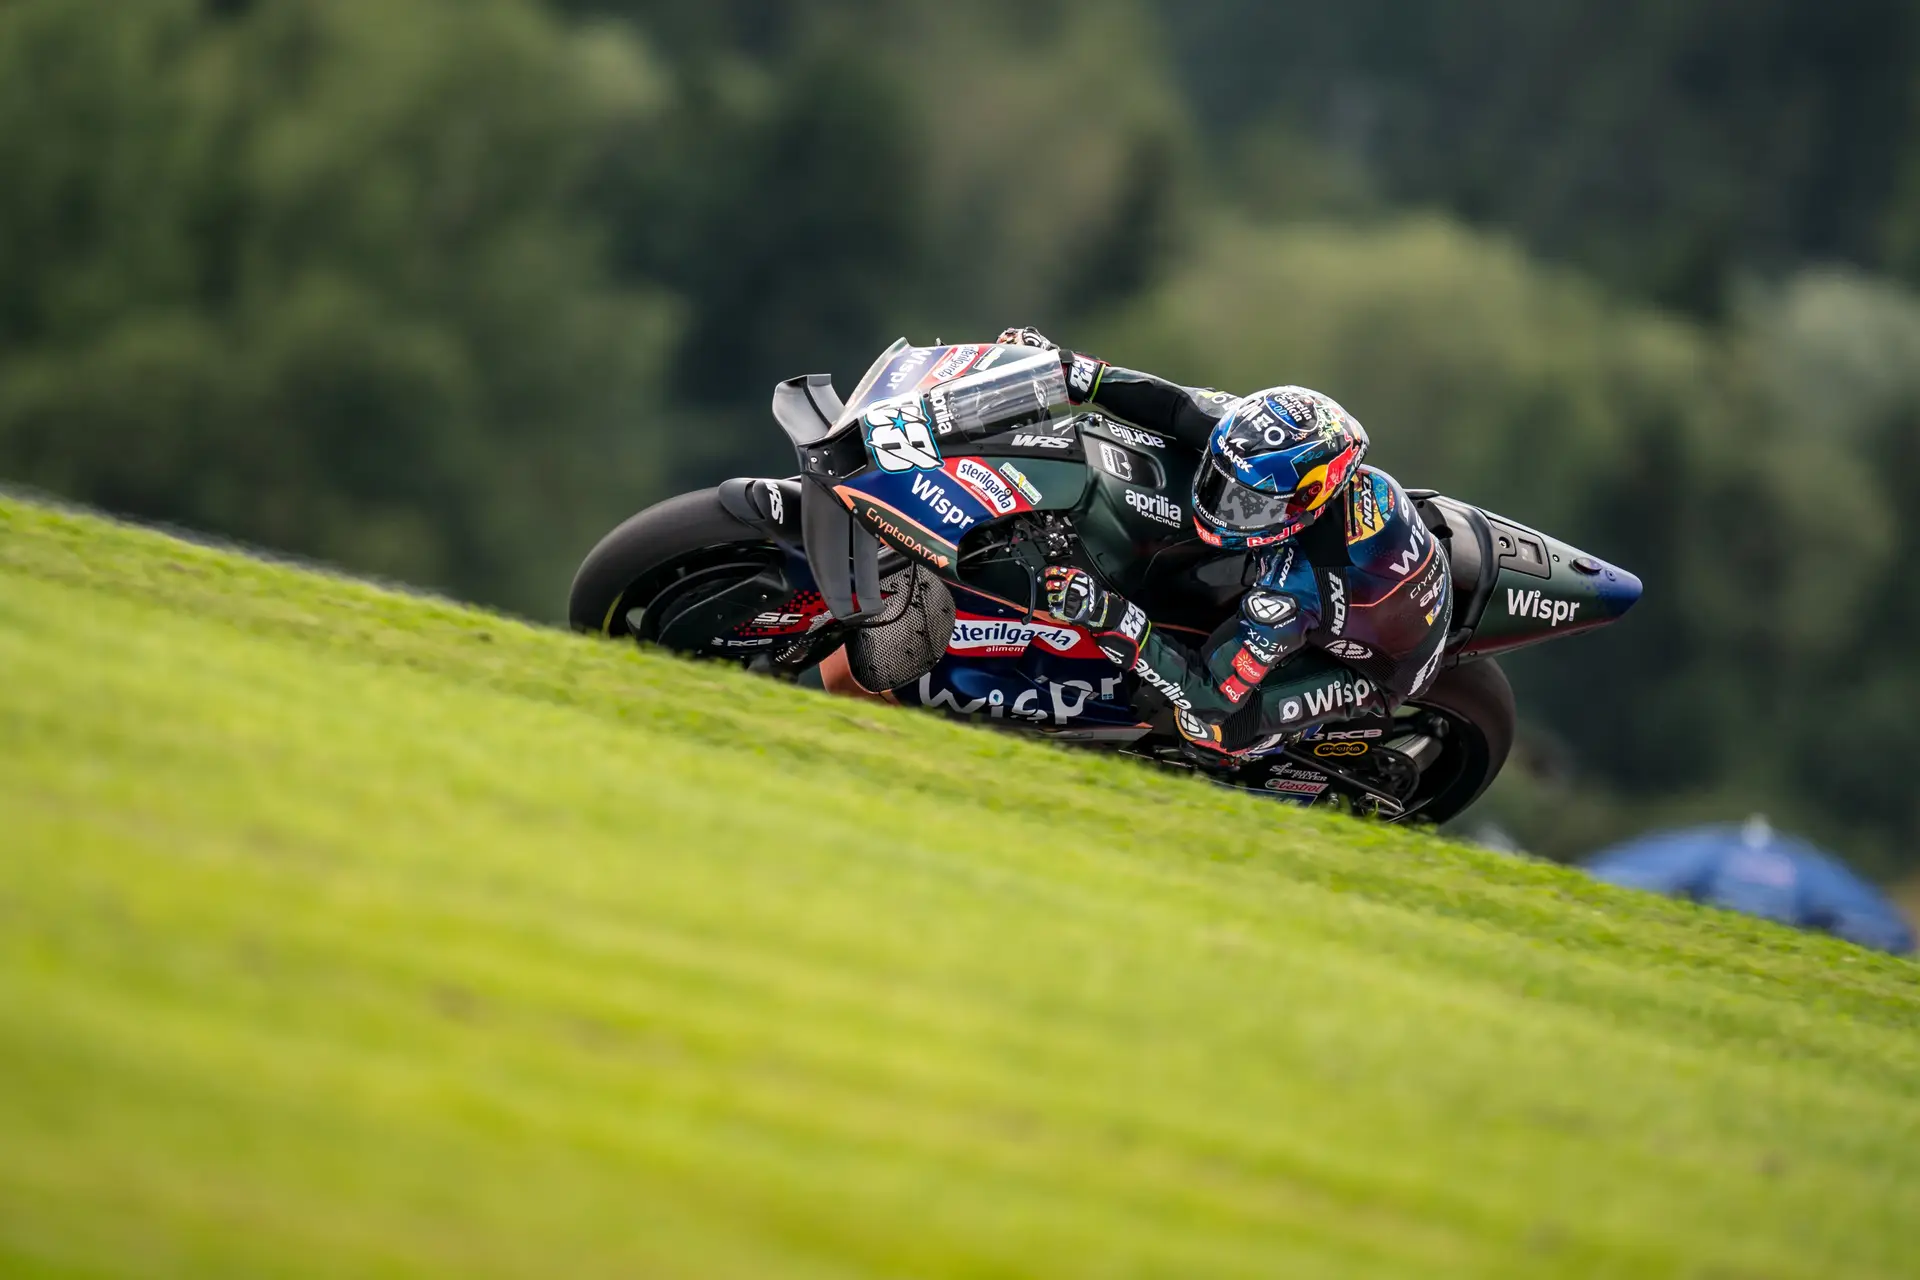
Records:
x=926, y=509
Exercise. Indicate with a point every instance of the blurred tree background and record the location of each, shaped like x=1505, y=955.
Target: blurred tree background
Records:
x=440, y=289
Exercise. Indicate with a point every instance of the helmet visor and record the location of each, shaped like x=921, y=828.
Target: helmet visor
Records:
x=1219, y=497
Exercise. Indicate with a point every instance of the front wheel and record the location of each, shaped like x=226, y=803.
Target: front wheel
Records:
x=687, y=575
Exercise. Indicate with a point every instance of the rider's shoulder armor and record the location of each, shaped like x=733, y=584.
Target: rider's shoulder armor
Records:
x=1385, y=537
x=1400, y=581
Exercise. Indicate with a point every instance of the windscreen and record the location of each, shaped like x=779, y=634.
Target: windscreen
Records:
x=973, y=389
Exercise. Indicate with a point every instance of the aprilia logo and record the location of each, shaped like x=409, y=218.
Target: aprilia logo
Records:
x=942, y=410
x=1531, y=604
x=1127, y=435
x=1163, y=686
x=1155, y=506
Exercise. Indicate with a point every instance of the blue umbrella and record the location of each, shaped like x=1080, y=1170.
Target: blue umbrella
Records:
x=1754, y=869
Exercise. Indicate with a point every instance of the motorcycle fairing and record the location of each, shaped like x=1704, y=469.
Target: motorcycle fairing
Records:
x=1048, y=693
x=782, y=605
x=1516, y=586
x=1002, y=663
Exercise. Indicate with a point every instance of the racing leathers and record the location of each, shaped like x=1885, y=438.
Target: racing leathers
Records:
x=1348, y=618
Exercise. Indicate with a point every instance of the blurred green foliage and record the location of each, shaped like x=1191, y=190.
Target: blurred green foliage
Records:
x=316, y=276
x=1666, y=144
x=440, y=289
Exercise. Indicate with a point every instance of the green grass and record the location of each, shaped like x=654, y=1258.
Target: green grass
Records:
x=348, y=933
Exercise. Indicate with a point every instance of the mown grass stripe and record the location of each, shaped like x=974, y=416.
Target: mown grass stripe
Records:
x=344, y=932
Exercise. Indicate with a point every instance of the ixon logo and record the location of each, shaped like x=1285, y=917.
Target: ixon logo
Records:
x=1531, y=604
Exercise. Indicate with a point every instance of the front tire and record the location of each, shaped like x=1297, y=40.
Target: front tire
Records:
x=688, y=575
x=645, y=552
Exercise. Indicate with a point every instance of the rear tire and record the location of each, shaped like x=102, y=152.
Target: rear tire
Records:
x=1478, y=701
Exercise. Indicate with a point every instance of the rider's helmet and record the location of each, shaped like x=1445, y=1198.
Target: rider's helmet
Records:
x=1273, y=466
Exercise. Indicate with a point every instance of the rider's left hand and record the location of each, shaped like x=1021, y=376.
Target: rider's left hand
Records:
x=1026, y=337
x=1076, y=596
x=1118, y=626
x=1081, y=372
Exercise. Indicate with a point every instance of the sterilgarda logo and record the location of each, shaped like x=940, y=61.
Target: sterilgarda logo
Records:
x=986, y=485
x=952, y=514
x=955, y=363
x=1004, y=638
x=1531, y=604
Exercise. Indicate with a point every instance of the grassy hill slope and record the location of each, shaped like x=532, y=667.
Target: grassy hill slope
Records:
x=348, y=933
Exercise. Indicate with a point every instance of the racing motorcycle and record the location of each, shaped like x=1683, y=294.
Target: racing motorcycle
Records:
x=926, y=509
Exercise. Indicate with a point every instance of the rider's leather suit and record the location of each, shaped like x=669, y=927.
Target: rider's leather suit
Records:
x=1346, y=619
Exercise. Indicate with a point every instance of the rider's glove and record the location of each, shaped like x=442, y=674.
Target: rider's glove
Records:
x=1026, y=337
x=1119, y=628
x=1076, y=596
x=1083, y=372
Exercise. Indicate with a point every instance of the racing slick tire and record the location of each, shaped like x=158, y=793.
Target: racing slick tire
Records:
x=1478, y=701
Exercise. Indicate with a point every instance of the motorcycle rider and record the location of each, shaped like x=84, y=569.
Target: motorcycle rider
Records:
x=1353, y=596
